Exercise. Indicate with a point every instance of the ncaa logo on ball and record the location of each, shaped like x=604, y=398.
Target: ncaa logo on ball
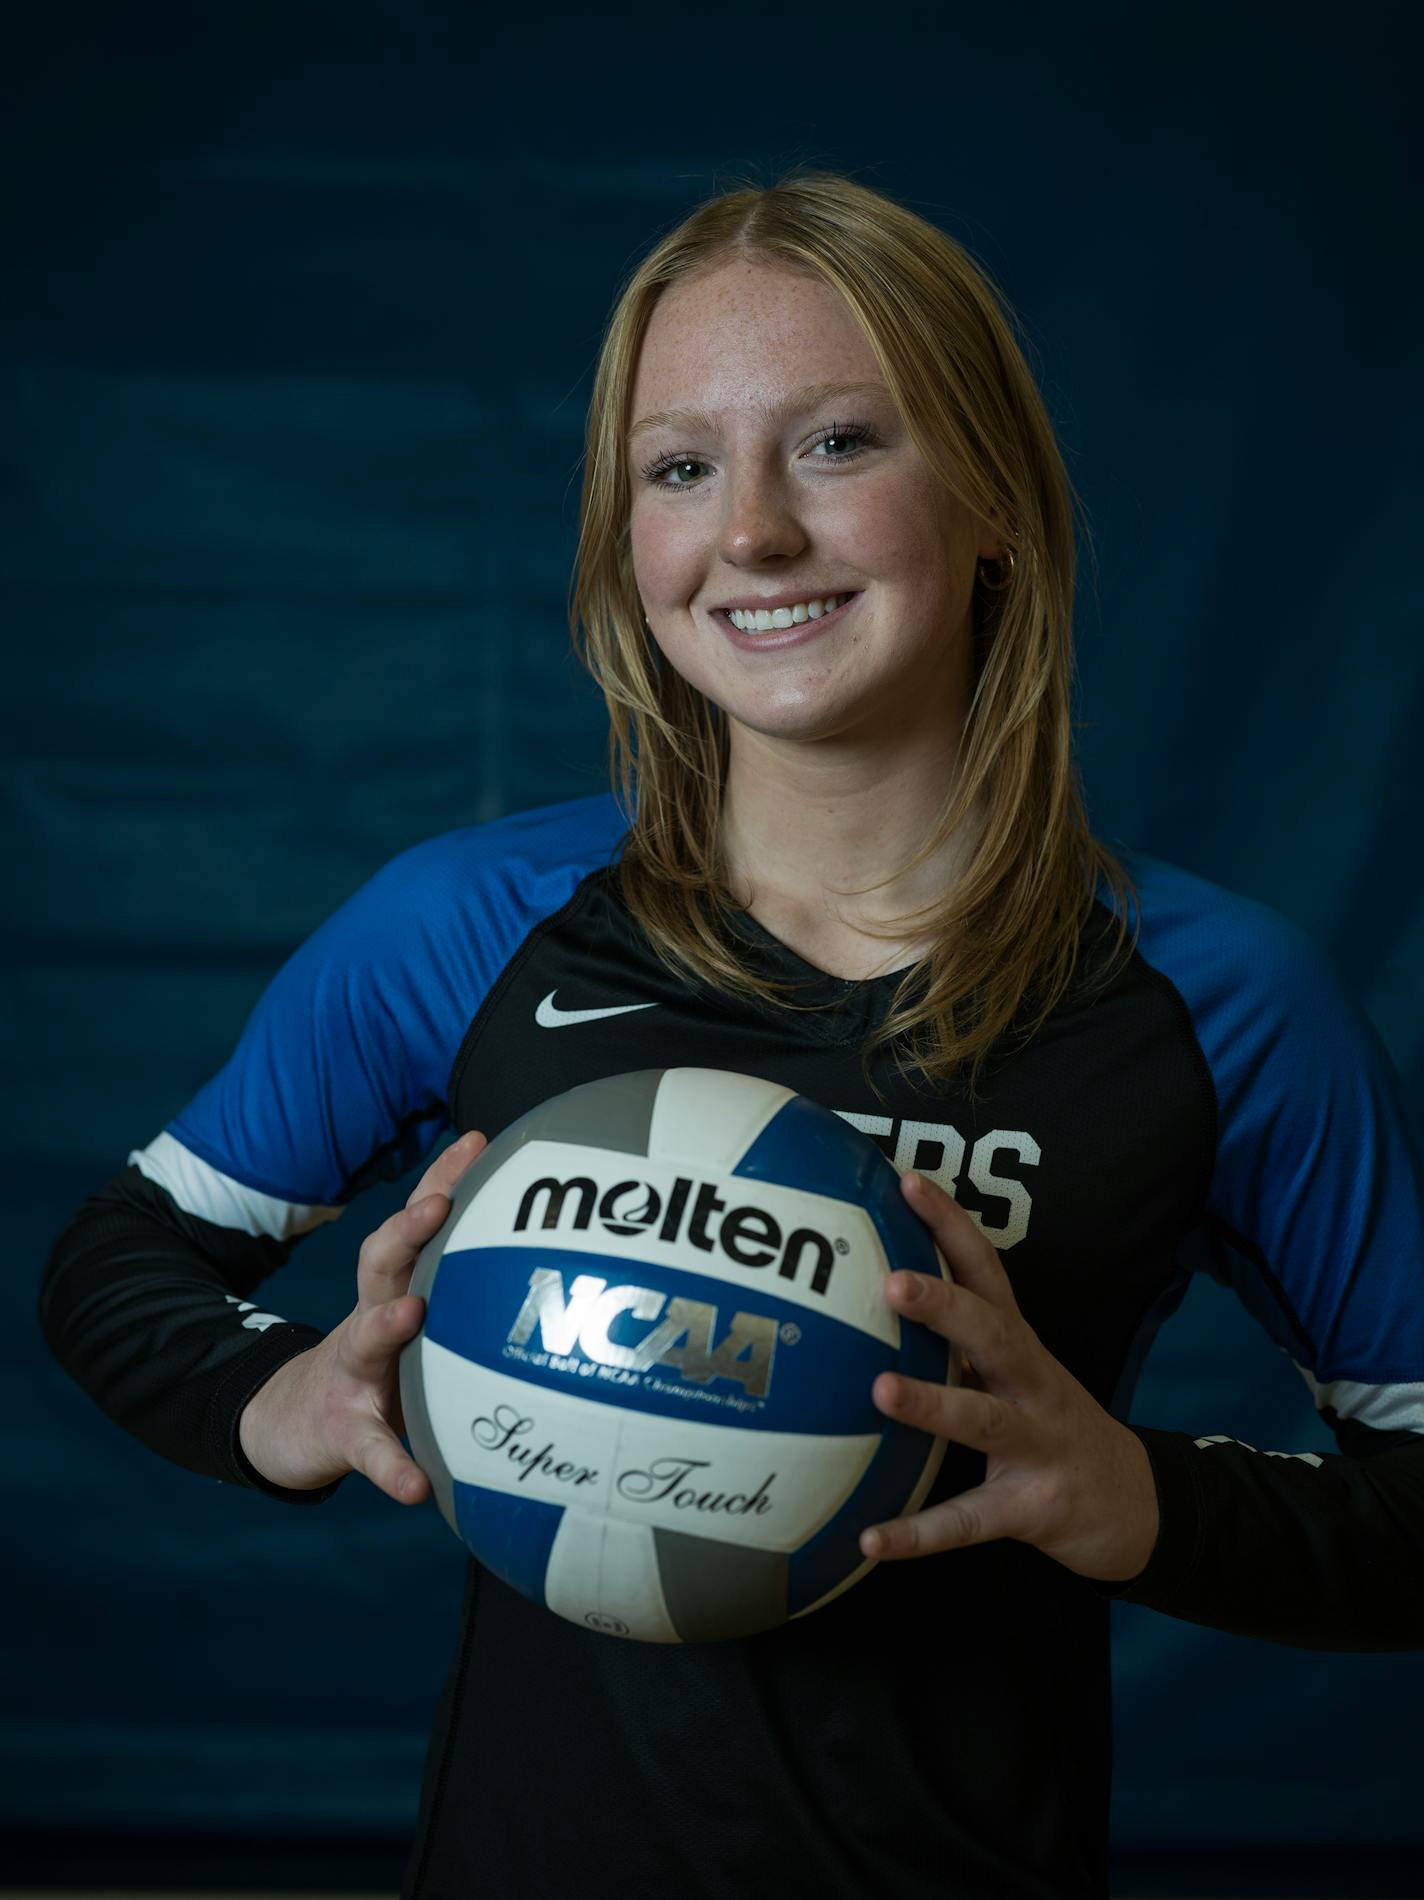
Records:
x=584, y=1317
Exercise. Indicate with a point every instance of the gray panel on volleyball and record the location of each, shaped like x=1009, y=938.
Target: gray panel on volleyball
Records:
x=622, y=1119
x=421, y=1433
x=714, y=1590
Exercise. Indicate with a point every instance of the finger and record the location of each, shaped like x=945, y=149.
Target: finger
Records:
x=387, y=1255
x=974, y=1517
x=379, y=1455
x=448, y=1166
x=972, y=1258
x=981, y=1420
x=996, y=1339
x=372, y=1338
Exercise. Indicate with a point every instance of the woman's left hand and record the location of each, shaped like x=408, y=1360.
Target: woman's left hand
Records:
x=1063, y=1474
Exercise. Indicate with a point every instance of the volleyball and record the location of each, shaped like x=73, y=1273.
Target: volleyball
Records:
x=642, y=1390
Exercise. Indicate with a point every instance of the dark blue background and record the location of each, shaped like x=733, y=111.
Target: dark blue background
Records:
x=300, y=311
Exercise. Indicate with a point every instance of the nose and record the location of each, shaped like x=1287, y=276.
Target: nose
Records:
x=760, y=520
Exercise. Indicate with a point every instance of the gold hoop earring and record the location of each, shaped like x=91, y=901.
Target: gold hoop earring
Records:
x=997, y=587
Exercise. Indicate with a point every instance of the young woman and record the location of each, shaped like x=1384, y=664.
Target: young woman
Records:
x=825, y=582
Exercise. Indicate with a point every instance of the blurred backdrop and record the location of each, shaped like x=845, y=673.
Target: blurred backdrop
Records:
x=300, y=311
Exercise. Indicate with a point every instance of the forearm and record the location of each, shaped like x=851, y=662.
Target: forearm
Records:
x=151, y=1316
x=1320, y=1552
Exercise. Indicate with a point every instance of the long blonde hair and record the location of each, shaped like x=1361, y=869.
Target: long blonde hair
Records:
x=1006, y=936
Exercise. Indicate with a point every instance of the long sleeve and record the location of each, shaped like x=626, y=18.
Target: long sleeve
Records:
x=338, y=1080
x=1318, y=1552
x=146, y=1307
x=1315, y=1219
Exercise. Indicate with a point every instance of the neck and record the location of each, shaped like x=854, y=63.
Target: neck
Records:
x=804, y=825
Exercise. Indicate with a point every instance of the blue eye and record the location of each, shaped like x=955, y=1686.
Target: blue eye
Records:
x=859, y=432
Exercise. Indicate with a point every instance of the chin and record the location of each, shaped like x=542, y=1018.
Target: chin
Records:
x=800, y=722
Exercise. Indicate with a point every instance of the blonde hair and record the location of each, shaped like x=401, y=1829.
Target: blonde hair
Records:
x=1006, y=936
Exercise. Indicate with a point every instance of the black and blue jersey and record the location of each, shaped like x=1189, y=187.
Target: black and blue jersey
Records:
x=943, y=1728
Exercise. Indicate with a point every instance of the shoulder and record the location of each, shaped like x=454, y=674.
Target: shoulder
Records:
x=1293, y=1057
x=1280, y=1040
x=1236, y=962
x=525, y=854
x=1318, y=1190
x=474, y=892
x=423, y=940
x=342, y=1068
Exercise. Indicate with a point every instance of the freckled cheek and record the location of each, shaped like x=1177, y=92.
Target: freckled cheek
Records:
x=672, y=631
x=668, y=565
x=883, y=536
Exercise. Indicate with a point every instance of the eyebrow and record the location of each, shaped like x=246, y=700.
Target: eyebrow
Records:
x=799, y=400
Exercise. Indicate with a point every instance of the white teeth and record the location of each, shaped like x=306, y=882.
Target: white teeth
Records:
x=764, y=620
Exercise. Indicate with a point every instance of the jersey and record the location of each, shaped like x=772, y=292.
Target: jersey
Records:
x=943, y=1728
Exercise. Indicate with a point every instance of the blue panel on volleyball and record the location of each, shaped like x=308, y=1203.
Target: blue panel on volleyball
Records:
x=828, y=1558
x=802, y=1147
x=479, y=1291
x=512, y=1535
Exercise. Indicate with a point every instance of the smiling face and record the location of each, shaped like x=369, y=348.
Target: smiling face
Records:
x=766, y=496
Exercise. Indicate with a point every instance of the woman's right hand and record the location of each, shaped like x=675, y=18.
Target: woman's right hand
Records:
x=336, y=1407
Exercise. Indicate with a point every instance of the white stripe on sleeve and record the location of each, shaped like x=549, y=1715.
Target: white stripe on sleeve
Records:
x=1387, y=1408
x=204, y=1191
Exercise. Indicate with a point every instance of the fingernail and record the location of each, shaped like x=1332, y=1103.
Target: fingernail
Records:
x=907, y=1287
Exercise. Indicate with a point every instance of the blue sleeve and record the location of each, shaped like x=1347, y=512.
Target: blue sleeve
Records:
x=1316, y=1199
x=340, y=1076
x=1316, y=1219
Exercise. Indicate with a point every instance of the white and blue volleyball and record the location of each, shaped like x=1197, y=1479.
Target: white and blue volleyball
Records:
x=654, y=1317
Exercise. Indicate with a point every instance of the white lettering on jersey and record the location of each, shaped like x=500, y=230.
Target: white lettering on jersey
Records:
x=1220, y=1438
x=936, y=1149
x=255, y=1322
x=946, y=1144
x=1004, y=1185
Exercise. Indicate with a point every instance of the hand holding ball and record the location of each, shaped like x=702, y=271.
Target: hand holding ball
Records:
x=642, y=1392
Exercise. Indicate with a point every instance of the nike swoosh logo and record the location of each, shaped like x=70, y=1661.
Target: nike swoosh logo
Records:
x=548, y=1017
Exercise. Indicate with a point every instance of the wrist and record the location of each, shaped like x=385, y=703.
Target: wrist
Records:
x=264, y=1438
x=1143, y=1518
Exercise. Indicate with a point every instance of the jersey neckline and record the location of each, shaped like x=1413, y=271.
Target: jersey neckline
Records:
x=812, y=975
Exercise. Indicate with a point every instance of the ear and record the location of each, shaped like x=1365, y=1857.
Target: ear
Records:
x=995, y=532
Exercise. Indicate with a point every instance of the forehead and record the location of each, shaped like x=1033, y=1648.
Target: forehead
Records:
x=747, y=338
